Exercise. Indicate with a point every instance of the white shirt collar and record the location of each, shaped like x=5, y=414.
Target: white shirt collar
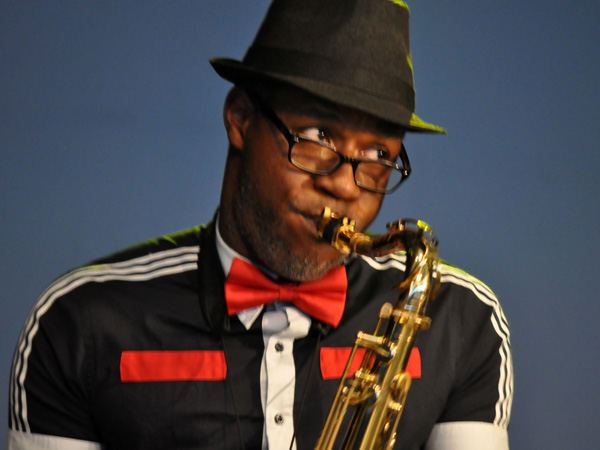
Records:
x=226, y=255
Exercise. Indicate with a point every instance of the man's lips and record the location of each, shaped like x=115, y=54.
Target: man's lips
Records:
x=313, y=219
x=311, y=216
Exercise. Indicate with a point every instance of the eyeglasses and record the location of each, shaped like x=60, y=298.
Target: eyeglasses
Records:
x=321, y=158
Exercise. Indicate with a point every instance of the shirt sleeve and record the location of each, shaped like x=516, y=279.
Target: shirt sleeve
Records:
x=51, y=375
x=482, y=389
x=477, y=411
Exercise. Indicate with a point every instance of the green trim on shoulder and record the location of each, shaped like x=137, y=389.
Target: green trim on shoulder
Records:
x=182, y=238
x=173, y=237
x=473, y=279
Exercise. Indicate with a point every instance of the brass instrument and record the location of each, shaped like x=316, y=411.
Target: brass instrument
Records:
x=379, y=387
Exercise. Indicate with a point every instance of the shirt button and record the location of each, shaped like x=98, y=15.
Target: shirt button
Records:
x=278, y=419
x=279, y=347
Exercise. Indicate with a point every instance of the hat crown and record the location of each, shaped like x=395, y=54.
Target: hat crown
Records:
x=371, y=34
x=355, y=53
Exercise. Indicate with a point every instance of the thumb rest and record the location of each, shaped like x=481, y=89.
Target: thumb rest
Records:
x=377, y=391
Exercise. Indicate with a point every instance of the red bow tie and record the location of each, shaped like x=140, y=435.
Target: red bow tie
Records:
x=247, y=287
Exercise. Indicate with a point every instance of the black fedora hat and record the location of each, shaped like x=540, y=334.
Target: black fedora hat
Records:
x=352, y=52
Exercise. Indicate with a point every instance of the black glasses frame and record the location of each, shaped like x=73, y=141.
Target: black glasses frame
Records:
x=293, y=138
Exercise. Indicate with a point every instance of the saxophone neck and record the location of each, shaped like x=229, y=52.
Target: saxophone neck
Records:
x=407, y=234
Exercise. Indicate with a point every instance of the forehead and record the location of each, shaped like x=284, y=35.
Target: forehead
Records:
x=294, y=101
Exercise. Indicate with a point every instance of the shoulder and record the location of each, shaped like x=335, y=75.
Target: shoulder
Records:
x=179, y=242
x=471, y=304
x=165, y=260
x=455, y=277
x=131, y=284
x=164, y=255
x=461, y=284
x=463, y=302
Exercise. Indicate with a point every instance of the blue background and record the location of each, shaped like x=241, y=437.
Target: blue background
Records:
x=111, y=133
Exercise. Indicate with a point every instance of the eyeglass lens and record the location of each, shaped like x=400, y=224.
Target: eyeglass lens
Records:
x=319, y=159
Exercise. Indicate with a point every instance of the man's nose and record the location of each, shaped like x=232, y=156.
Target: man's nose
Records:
x=340, y=183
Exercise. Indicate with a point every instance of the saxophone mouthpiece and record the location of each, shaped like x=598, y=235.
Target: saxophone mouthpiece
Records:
x=331, y=223
x=336, y=230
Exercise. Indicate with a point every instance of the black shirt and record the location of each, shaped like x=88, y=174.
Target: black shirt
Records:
x=164, y=298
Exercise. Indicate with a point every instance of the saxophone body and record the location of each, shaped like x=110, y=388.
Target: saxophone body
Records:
x=376, y=394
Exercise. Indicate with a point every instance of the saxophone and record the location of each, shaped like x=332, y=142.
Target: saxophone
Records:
x=378, y=389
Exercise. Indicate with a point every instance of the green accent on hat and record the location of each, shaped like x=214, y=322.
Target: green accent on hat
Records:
x=400, y=3
x=418, y=123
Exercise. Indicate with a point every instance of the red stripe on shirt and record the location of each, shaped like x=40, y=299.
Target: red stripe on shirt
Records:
x=334, y=360
x=140, y=366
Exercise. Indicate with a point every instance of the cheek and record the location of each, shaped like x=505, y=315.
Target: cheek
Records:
x=265, y=159
x=368, y=207
x=271, y=177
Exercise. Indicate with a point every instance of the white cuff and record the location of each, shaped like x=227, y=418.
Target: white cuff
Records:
x=467, y=436
x=20, y=440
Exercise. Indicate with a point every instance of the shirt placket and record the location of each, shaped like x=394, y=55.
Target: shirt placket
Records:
x=280, y=329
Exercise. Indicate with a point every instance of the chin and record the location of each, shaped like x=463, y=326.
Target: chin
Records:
x=300, y=266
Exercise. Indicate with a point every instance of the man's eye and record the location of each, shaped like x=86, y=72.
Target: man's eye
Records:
x=376, y=153
x=317, y=134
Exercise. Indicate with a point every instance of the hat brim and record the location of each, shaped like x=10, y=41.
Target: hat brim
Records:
x=239, y=73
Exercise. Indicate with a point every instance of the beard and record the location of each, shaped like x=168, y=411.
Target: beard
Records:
x=261, y=231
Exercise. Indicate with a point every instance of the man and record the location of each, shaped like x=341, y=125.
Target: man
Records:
x=151, y=348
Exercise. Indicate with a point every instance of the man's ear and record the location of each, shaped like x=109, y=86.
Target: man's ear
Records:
x=237, y=112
